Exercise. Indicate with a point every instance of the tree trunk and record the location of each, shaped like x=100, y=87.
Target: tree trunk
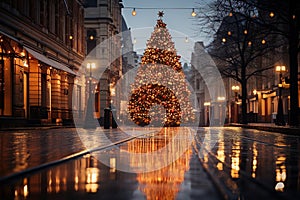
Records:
x=293, y=58
x=244, y=95
x=244, y=102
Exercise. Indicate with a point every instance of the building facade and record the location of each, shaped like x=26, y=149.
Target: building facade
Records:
x=238, y=49
x=197, y=82
x=130, y=64
x=103, y=26
x=42, y=47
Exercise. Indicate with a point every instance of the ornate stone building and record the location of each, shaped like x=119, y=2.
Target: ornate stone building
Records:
x=103, y=26
x=41, y=50
x=209, y=92
x=266, y=87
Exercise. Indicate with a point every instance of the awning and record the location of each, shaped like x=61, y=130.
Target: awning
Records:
x=48, y=61
x=62, y=67
x=11, y=37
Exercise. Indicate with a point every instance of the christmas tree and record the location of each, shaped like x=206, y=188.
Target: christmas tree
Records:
x=160, y=94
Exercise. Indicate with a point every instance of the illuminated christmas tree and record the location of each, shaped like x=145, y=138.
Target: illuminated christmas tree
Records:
x=160, y=94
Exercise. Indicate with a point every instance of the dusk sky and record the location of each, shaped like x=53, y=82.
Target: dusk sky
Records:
x=179, y=22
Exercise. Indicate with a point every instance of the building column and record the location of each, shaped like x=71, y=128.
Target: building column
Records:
x=79, y=99
x=70, y=97
x=56, y=97
x=18, y=95
x=64, y=88
x=34, y=90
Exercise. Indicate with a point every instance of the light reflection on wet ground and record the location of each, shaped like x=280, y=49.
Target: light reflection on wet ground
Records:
x=26, y=149
x=86, y=178
x=264, y=162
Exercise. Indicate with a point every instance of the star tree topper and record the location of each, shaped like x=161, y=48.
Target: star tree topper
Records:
x=160, y=23
x=160, y=14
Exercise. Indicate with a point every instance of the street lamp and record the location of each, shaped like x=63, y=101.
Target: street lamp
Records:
x=221, y=100
x=235, y=89
x=89, y=117
x=279, y=117
x=91, y=66
x=207, y=105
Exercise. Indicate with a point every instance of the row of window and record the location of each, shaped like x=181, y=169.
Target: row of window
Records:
x=64, y=19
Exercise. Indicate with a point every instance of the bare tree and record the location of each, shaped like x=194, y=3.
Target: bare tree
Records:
x=285, y=22
x=239, y=41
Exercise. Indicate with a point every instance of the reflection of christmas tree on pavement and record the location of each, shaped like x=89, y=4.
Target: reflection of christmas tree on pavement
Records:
x=160, y=94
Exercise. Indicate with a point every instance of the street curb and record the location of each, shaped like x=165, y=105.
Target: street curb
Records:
x=66, y=158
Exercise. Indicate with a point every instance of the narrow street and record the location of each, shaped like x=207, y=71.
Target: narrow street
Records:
x=218, y=163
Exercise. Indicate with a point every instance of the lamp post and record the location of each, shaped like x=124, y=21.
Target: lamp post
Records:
x=279, y=117
x=235, y=89
x=207, y=106
x=221, y=100
x=89, y=117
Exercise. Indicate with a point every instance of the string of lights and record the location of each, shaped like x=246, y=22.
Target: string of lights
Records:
x=134, y=9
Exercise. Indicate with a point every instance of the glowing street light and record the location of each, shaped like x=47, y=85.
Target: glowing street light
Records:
x=221, y=98
x=89, y=117
x=235, y=89
x=207, y=106
x=279, y=117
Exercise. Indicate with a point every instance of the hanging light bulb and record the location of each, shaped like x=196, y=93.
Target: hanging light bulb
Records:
x=194, y=13
x=133, y=12
x=186, y=39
